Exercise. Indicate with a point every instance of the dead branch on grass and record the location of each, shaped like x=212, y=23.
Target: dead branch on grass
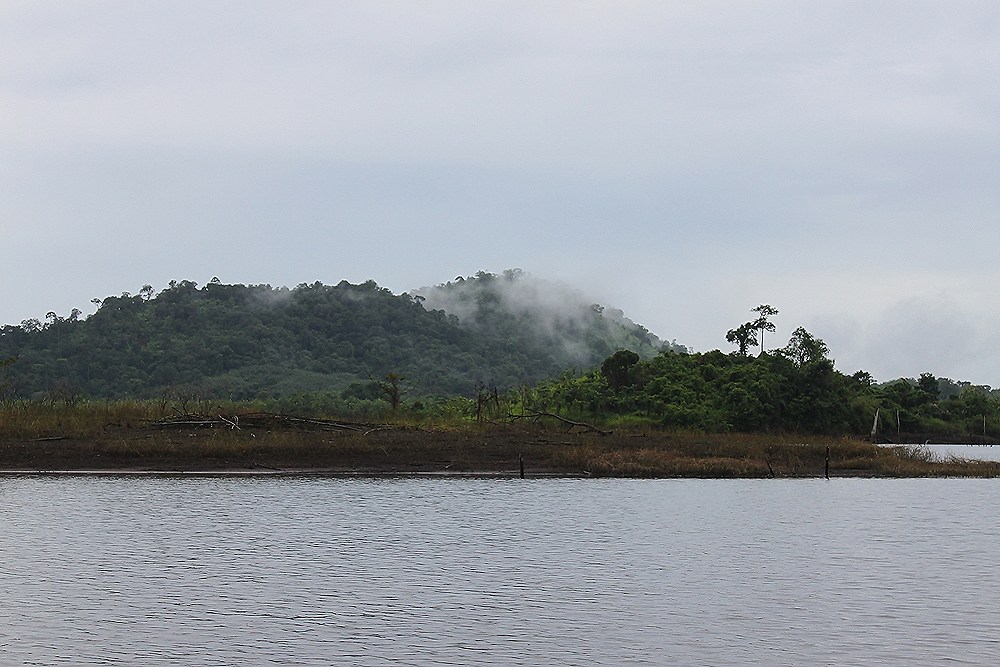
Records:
x=256, y=420
x=535, y=416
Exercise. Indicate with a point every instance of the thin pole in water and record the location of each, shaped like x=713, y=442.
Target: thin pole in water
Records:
x=520, y=461
x=826, y=469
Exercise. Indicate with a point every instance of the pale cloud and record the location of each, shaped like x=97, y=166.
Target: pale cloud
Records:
x=937, y=334
x=682, y=161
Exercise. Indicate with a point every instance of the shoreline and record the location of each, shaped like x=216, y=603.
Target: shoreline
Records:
x=488, y=451
x=316, y=472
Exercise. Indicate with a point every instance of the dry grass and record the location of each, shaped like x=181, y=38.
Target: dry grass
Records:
x=118, y=436
x=756, y=455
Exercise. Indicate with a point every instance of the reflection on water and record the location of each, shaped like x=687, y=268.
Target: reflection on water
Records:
x=970, y=452
x=313, y=571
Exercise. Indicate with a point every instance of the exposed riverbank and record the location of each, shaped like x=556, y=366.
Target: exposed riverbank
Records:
x=484, y=450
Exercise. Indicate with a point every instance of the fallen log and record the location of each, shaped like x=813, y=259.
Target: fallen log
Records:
x=254, y=420
x=535, y=415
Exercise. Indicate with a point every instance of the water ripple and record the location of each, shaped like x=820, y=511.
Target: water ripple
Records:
x=309, y=571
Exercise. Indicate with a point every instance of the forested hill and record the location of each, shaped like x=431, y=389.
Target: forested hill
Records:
x=245, y=341
x=545, y=315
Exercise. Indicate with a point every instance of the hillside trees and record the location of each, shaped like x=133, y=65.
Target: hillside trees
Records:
x=244, y=341
x=549, y=319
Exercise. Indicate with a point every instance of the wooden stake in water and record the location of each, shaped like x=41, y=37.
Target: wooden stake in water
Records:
x=826, y=468
x=520, y=461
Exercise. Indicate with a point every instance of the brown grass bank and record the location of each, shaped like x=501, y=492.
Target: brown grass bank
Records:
x=123, y=440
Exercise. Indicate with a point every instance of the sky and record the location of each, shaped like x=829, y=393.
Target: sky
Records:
x=683, y=161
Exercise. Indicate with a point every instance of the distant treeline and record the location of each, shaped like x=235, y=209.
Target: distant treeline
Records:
x=242, y=342
x=791, y=389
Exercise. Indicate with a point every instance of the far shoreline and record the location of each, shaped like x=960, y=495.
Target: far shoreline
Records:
x=494, y=451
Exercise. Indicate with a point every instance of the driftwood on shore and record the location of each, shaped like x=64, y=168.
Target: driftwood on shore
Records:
x=535, y=416
x=257, y=420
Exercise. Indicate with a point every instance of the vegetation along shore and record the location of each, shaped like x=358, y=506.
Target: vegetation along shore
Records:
x=137, y=437
x=484, y=374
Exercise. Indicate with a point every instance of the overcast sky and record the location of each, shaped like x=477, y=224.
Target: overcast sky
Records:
x=683, y=161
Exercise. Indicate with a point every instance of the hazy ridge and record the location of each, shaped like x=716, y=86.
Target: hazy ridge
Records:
x=245, y=341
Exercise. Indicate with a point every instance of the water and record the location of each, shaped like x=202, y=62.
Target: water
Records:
x=320, y=571
x=970, y=452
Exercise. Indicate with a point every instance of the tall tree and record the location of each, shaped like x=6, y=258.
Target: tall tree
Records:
x=617, y=369
x=763, y=322
x=804, y=348
x=392, y=389
x=930, y=385
x=744, y=336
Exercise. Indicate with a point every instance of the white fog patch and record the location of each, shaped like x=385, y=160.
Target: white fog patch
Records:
x=265, y=295
x=553, y=309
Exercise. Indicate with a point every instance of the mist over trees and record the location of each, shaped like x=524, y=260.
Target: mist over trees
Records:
x=544, y=314
x=246, y=341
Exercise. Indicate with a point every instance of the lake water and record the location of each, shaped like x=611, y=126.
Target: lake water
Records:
x=202, y=571
x=971, y=452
